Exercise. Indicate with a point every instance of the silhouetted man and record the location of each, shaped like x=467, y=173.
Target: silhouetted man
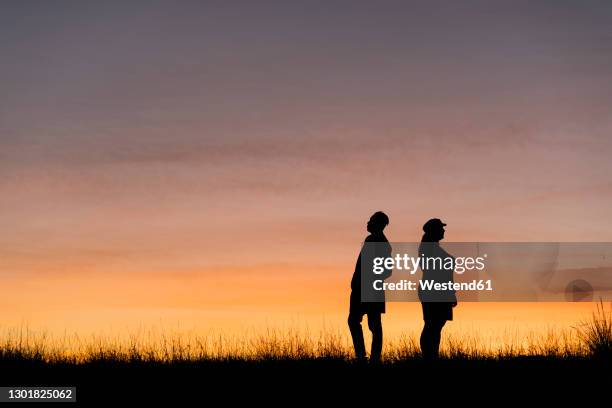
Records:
x=373, y=304
x=437, y=305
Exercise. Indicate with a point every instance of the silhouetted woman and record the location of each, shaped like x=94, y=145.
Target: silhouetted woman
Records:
x=372, y=303
x=437, y=305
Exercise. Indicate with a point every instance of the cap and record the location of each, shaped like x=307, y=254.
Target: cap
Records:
x=433, y=224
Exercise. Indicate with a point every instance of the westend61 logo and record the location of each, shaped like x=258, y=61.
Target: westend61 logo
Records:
x=486, y=271
x=429, y=264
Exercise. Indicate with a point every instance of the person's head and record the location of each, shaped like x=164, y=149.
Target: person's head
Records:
x=377, y=223
x=434, y=230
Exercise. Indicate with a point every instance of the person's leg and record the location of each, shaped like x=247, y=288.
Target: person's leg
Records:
x=437, y=326
x=430, y=338
x=375, y=326
x=426, y=340
x=354, y=322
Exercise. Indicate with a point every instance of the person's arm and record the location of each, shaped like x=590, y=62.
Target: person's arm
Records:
x=452, y=278
x=386, y=253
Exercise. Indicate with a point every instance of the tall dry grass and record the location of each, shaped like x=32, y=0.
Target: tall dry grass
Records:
x=596, y=333
x=589, y=339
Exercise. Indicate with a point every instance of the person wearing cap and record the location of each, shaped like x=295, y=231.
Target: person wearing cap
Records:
x=364, y=300
x=437, y=305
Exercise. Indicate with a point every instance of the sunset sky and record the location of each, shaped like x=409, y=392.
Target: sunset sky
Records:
x=215, y=164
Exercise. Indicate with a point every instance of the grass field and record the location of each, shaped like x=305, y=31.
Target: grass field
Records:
x=587, y=339
x=143, y=368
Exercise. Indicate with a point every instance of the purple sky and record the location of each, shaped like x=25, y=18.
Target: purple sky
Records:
x=169, y=135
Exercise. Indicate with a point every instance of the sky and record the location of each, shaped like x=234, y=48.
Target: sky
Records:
x=223, y=157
